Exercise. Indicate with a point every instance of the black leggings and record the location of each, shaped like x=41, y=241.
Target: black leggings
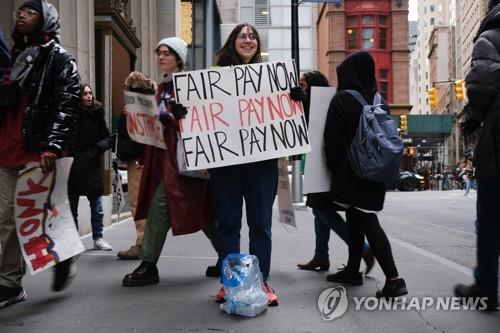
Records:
x=361, y=224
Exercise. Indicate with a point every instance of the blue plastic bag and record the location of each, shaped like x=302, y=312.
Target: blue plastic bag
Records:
x=242, y=283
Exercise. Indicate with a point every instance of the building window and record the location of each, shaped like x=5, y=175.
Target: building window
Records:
x=367, y=32
x=431, y=8
x=432, y=20
x=384, y=83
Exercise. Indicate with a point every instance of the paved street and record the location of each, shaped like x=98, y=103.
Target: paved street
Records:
x=432, y=238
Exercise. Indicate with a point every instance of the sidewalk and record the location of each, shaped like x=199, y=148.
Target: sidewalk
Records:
x=97, y=302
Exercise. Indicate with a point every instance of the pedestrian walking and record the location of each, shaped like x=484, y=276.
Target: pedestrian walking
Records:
x=326, y=216
x=483, y=112
x=37, y=119
x=168, y=200
x=255, y=182
x=361, y=198
x=85, y=178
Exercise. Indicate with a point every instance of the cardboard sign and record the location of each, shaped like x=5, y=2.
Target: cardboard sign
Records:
x=45, y=226
x=285, y=204
x=143, y=119
x=240, y=114
x=316, y=173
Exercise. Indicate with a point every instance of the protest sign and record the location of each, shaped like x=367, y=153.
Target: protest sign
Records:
x=45, y=226
x=143, y=119
x=240, y=114
x=316, y=173
x=285, y=205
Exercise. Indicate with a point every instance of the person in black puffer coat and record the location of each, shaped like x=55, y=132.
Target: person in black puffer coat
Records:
x=325, y=212
x=362, y=199
x=483, y=111
x=85, y=178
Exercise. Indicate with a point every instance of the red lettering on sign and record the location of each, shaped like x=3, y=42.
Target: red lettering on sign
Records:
x=28, y=227
x=30, y=210
x=37, y=246
x=34, y=188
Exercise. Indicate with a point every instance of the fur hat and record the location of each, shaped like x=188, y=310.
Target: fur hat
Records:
x=138, y=82
x=177, y=45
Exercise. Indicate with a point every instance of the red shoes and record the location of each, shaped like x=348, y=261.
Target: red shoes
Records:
x=272, y=298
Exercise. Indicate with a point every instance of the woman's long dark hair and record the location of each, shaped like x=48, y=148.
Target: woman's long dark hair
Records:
x=227, y=56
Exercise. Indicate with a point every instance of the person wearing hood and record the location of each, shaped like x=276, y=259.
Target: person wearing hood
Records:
x=362, y=199
x=40, y=92
x=482, y=113
x=325, y=212
x=85, y=178
x=168, y=199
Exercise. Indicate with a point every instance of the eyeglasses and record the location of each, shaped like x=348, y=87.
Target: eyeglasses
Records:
x=28, y=12
x=164, y=53
x=244, y=36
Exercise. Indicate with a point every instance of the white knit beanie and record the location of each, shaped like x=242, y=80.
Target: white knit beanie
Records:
x=177, y=45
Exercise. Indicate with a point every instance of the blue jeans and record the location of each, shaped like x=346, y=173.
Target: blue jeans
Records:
x=488, y=234
x=323, y=222
x=96, y=214
x=257, y=184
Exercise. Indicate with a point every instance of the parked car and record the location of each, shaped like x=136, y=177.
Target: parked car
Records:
x=407, y=181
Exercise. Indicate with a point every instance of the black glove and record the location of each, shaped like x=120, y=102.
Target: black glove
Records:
x=178, y=110
x=469, y=126
x=298, y=94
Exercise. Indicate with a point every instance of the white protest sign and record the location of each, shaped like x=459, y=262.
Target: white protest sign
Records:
x=45, y=226
x=316, y=173
x=240, y=114
x=285, y=205
x=143, y=119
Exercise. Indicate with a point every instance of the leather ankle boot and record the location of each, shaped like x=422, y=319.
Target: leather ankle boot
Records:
x=321, y=264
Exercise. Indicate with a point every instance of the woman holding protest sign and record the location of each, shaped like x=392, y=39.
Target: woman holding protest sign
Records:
x=325, y=212
x=255, y=182
x=166, y=198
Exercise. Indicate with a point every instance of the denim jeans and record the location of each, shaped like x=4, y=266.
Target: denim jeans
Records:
x=96, y=214
x=488, y=234
x=323, y=222
x=257, y=184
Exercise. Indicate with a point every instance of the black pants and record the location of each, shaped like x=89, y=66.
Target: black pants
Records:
x=361, y=224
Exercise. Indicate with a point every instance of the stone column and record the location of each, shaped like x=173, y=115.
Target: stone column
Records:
x=143, y=13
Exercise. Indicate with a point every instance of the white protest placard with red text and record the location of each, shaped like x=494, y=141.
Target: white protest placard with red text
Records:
x=45, y=226
x=240, y=114
x=143, y=119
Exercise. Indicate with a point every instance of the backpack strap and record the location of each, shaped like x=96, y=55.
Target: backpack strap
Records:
x=357, y=96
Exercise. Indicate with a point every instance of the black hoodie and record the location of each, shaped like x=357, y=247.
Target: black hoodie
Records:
x=483, y=92
x=356, y=72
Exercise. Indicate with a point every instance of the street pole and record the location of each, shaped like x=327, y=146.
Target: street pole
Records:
x=296, y=159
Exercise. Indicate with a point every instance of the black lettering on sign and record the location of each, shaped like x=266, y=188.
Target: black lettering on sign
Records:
x=221, y=138
x=280, y=79
x=214, y=78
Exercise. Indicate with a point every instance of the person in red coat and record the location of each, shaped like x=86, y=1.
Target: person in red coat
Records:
x=168, y=200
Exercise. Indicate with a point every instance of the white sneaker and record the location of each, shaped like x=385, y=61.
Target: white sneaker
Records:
x=102, y=245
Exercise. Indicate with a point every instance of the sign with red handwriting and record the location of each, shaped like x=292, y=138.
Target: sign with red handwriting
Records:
x=240, y=114
x=45, y=226
x=143, y=119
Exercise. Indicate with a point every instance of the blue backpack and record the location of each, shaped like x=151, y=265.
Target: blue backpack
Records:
x=376, y=149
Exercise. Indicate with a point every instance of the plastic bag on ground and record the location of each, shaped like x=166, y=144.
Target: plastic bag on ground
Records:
x=242, y=283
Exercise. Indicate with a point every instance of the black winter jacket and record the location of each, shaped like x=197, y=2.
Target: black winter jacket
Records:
x=356, y=72
x=483, y=92
x=91, y=141
x=53, y=85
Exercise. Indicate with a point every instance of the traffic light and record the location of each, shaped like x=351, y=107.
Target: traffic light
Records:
x=432, y=96
x=403, y=124
x=459, y=90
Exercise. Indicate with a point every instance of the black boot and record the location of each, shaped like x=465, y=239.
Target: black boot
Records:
x=393, y=288
x=474, y=291
x=346, y=276
x=144, y=275
x=64, y=274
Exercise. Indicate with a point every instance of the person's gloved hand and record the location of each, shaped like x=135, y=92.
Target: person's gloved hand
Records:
x=298, y=94
x=469, y=126
x=178, y=110
x=165, y=118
